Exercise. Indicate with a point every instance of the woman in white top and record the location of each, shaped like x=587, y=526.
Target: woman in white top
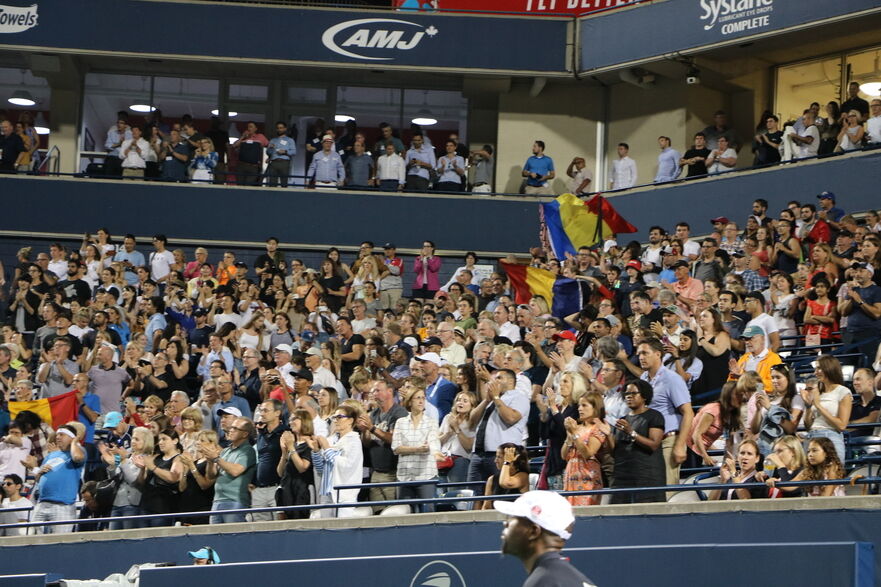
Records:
x=339, y=460
x=417, y=444
x=253, y=335
x=91, y=259
x=827, y=403
x=784, y=303
x=470, y=262
x=851, y=136
x=457, y=438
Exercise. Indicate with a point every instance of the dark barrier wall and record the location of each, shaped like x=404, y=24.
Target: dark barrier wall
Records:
x=98, y=559
x=854, y=180
x=662, y=28
x=373, y=39
x=461, y=223
x=819, y=563
x=251, y=215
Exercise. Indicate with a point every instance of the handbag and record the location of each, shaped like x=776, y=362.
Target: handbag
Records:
x=446, y=463
x=812, y=339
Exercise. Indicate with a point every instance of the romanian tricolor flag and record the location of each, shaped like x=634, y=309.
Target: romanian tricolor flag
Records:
x=571, y=223
x=564, y=296
x=54, y=411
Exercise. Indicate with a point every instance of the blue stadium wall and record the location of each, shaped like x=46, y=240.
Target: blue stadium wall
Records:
x=455, y=223
x=722, y=531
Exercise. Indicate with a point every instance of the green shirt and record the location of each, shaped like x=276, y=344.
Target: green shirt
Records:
x=229, y=488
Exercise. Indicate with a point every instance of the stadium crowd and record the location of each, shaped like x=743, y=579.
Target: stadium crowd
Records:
x=206, y=385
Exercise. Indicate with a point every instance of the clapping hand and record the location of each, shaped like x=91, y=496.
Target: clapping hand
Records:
x=510, y=454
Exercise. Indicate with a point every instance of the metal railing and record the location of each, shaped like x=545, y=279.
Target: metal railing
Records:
x=703, y=487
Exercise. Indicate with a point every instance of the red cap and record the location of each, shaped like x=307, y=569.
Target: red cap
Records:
x=567, y=334
x=635, y=264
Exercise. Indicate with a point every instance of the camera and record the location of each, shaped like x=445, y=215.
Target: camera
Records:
x=692, y=80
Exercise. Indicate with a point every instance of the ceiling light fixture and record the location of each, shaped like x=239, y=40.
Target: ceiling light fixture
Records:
x=40, y=124
x=141, y=108
x=22, y=98
x=871, y=88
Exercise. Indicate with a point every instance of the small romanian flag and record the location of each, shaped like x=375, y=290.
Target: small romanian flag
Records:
x=572, y=223
x=54, y=411
x=564, y=296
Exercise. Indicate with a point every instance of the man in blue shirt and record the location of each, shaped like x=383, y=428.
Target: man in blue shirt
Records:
x=359, y=167
x=862, y=306
x=58, y=482
x=828, y=211
x=672, y=399
x=539, y=171
x=130, y=259
x=668, y=161
x=420, y=159
x=154, y=308
x=326, y=169
x=280, y=150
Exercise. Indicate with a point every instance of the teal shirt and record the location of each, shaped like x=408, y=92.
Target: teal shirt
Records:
x=229, y=488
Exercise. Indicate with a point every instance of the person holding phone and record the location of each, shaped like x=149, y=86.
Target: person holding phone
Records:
x=741, y=470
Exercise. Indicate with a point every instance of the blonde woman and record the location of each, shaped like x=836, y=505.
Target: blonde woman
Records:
x=328, y=400
x=457, y=437
x=204, y=161
x=191, y=421
x=554, y=407
x=119, y=462
x=416, y=442
x=195, y=486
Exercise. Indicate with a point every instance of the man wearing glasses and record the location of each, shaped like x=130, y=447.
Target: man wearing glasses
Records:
x=12, y=499
x=233, y=467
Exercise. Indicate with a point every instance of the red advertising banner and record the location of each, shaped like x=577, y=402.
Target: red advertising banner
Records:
x=548, y=7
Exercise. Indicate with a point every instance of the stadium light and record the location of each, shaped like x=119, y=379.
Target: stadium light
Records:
x=22, y=98
x=40, y=124
x=343, y=118
x=424, y=118
x=216, y=112
x=142, y=108
x=871, y=88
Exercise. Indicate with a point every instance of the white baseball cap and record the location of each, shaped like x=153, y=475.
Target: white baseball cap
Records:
x=546, y=509
x=431, y=358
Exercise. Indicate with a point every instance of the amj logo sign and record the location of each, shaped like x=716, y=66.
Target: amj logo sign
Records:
x=373, y=39
x=16, y=19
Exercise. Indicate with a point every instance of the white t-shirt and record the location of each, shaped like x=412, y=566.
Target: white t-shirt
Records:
x=579, y=178
x=830, y=402
x=873, y=129
x=14, y=517
x=11, y=457
x=806, y=150
x=691, y=247
x=160, y=264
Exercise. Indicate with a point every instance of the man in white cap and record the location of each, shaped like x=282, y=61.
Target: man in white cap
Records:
x=321, y=375
x=326, y=169
x=538, y=525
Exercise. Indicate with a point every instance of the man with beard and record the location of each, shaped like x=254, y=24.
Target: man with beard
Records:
x=536, y=530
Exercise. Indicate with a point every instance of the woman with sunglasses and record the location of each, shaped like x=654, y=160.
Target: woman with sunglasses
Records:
x=338, y=460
